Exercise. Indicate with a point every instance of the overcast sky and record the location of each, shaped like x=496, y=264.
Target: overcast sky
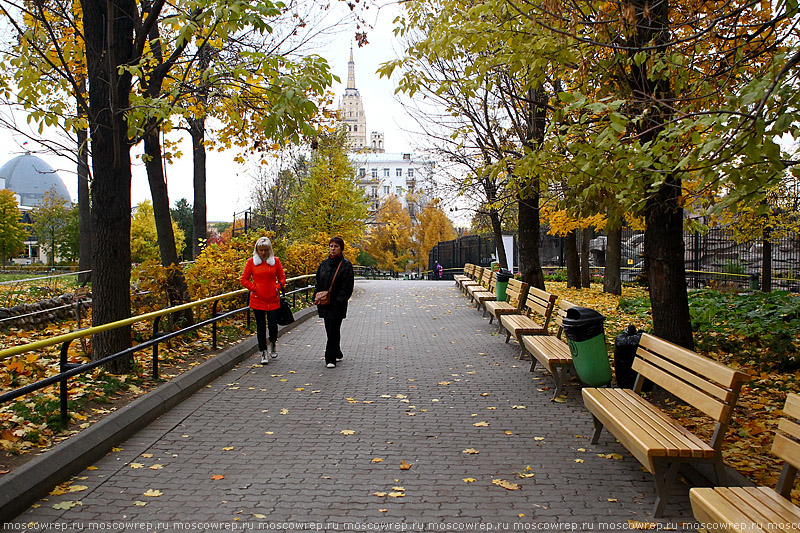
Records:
x=229, y=184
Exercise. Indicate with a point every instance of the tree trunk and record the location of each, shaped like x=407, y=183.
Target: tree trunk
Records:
x=497, y=230
x=84, y=207
x=177, y=290
x=529, y=263
x=586, y=271
x=572, y=260
x=528, y=197
x=664, y=248
x=109, y=93
x=197, y=128
x=612, y=283
x=664, y=251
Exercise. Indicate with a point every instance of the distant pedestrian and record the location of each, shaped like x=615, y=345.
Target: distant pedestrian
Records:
x=438, y=269
x=334, y=276
x=263, y=275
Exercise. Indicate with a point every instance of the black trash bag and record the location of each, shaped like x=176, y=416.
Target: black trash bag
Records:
x=625, y=348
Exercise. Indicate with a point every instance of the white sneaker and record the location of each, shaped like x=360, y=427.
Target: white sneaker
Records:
x=273, y=350
x=264, y=358
x=331, y=365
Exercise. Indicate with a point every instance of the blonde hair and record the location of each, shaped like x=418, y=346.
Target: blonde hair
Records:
x=260, y=243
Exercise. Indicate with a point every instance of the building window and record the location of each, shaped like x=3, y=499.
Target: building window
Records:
x=385, y=189
x=355, y=128
x=362, y=172
x=399, y=172
x=375, y=191
x=385, y=172
x=374, y=173
x=399, y=191
x=410, y=172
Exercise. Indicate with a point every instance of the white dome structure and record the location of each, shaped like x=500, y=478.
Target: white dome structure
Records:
x=31, y=178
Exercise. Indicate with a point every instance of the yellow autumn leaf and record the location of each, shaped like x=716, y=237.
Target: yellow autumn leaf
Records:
x=284, y=411
x=156, y=467
x=469, y=480
x=139, y=503
x=377, y=460
x=227, y=448
x=404, y=465
x=146, y=455
x=77, y=488
x=505, y=484
x=518, y=407
x=347, y=432
x=471, y=451
x=578, y=460
x=137, y=465
x=538, y=438
x=396, y=494
x=379, y=494
x=153, y=493
x=444, y=383
x=481, y=424
x=91, y=468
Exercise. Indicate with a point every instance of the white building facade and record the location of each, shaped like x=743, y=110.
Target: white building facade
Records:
x=403, y=175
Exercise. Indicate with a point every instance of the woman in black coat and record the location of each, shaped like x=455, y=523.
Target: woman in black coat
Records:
x=338, y=270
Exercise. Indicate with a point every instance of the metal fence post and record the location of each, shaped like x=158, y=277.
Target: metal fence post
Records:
x=63, y=367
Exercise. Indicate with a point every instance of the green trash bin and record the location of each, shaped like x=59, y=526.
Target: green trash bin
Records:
x=583, y=328
x=502, y=284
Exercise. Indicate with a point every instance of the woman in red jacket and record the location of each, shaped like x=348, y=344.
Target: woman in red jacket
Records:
x=268, y=280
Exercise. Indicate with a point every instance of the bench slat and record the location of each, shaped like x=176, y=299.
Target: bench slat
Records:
x=724, y=375
x=677, y=440
x=787, y=449
x=712, y=507
x=548, y=350
x=712, y=407
x=699, y=382
x=757, y=503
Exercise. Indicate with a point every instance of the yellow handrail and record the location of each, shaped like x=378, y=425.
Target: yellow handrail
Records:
x=16, y=350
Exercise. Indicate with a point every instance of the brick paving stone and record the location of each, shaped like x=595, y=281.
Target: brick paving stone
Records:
x=299, y=443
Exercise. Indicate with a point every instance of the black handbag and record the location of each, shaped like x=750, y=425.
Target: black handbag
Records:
x=285, y=316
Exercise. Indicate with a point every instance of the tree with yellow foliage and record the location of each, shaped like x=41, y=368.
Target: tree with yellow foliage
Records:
x=144, y=238
x=433, y=227
x=390, y=242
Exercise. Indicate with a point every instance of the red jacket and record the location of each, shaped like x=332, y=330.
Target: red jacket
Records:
x=266, y=284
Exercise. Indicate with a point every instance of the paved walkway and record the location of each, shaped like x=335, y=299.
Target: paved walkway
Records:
x=380, y=443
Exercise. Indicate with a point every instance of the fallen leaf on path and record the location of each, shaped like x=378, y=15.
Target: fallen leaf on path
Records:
x=481, y=424
x=404, y=465
x=153, y=493
x=469, y=480
x=505, y=484
x=217, y=477
x=347, y=432
x=471, y=451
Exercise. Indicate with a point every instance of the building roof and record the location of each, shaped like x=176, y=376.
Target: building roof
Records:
x=31, y=178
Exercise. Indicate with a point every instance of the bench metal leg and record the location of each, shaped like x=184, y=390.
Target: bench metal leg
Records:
x=598, y=427
x=508, y=336
x=559, y=376
x=664, y=481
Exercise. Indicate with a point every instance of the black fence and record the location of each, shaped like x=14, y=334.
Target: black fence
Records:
x=712, y=255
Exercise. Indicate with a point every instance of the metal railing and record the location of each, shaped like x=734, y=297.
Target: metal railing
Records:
x=68, y=370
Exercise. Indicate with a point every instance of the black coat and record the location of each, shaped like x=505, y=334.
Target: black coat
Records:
x=342, y=287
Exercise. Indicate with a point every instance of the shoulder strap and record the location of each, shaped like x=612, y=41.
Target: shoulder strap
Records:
x=334, y=274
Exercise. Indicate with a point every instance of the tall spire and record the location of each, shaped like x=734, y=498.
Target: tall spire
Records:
x=351, y=71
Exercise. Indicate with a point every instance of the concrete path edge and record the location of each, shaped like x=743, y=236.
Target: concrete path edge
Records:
x=35, y=479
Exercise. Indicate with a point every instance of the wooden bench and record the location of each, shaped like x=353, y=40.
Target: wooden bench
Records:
x=489, y=294
x=486, y=278
x=469, y=270
x=658, y=441
x=516, y=292
x=759, y=508
x=552, y=352
x=476, y=276
x=533, y=320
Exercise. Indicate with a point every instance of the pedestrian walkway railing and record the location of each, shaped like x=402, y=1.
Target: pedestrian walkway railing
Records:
x=68, y=370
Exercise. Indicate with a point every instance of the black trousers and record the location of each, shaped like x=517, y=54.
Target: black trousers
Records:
x=333, y=329
x=266, y=319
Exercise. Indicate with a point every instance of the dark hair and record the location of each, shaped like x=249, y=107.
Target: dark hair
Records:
x=337, y=240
